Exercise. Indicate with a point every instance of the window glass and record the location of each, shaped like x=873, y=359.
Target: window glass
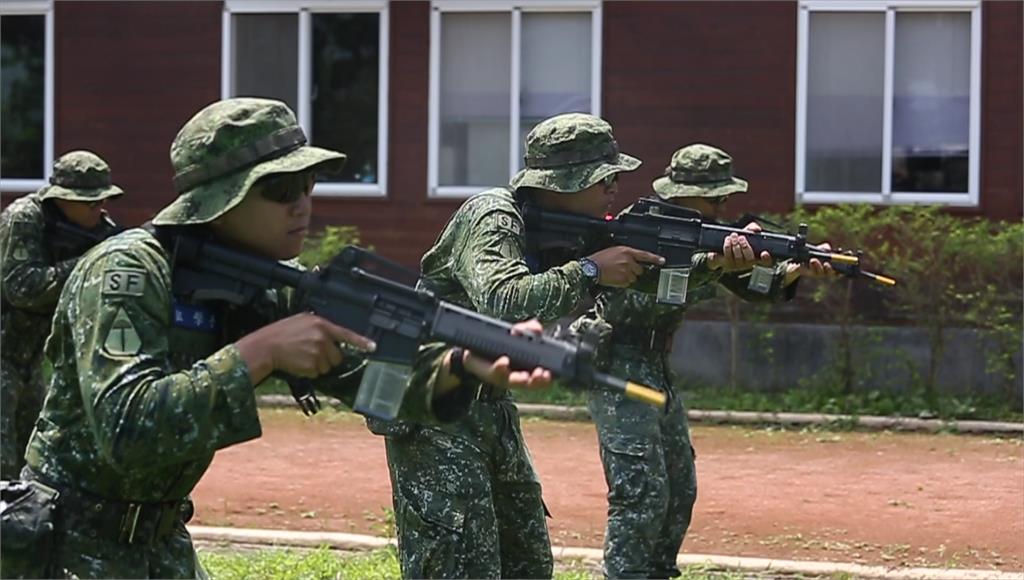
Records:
x=475, y=85
x=346, y=61
x=22, y=96
x=266, y=56
x=845, y=88
x=931, y=102
x=555, y=66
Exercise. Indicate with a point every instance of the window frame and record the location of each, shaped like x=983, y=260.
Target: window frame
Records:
x=304, y=9
x=886, y=196
x=516, y=9
x=37, y=8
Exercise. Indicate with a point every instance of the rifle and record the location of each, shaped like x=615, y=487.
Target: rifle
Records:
x=397, y=317
x=676, y=233
x=846, y=269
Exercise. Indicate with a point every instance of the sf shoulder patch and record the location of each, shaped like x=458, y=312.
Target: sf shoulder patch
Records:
x=124, y=282
x=506, y=222
x=122, y=338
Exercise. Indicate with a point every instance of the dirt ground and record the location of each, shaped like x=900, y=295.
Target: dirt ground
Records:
x=872, y=498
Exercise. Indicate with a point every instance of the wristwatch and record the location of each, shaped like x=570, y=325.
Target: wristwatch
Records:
x=591, y=272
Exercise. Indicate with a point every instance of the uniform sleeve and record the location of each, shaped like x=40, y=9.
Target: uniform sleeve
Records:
x=144, y=412
x=420, y=404
x=29, y=282
x=490, y=265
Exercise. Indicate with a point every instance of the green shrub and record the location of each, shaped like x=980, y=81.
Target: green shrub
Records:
x=320, y=248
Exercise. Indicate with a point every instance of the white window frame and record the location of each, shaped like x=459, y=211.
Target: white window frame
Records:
x=305, y=9
x=516, y=8
x=886, y=195
x=37, y=8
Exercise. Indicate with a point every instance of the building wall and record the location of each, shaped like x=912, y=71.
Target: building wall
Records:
x=722, y=73
x=128, y=74
x=1002, y=110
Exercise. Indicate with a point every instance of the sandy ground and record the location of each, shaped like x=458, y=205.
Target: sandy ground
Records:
x=872, y=498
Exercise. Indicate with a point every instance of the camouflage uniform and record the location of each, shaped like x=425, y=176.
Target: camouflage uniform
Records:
x=467, y=499
x=647, y=455
x=146, y=386
x=34, y=270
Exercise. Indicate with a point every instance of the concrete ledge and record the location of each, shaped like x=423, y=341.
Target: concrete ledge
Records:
x=866, y=422
x=357, y=542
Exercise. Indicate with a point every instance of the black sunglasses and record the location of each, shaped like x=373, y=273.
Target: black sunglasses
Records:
x=284, y=187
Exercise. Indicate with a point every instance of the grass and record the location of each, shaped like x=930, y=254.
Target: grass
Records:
x=323, y=563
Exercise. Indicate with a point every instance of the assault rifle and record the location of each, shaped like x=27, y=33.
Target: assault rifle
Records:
x=397, y=317
x=676, y=233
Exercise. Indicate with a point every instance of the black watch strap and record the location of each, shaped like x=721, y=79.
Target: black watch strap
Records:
x=455, y=365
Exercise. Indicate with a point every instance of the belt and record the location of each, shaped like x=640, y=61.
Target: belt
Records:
x=658, y=340
x=490, y=393
x=127, y=522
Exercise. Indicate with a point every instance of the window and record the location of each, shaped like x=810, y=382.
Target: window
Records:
x=888, y=102
x=328, y=61
x=496, y=70
x=26, y=95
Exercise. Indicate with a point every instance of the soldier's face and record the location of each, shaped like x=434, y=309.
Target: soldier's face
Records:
x=709, y=207
x=594, y=201
x=273, y=219
x=85, y=214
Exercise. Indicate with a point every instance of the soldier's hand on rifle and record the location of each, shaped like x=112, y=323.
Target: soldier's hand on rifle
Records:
x=737, y=253
x=303, y=345
x=620, y=266
x=814, y=268
x=497, y=372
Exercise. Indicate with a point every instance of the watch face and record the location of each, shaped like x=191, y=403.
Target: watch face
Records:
x=589, y=269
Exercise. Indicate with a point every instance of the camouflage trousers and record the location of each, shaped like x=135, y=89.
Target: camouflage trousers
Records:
x=649, y=467
x=467, y=499
x=79, y=555
x=21, y=399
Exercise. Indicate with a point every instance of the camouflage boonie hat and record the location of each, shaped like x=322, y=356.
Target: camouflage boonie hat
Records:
x=228, y=146
x=699, y=170
x=569, y=153
x=80, y=176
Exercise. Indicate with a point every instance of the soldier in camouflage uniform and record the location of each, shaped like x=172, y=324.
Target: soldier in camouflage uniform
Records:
x=467, y=499
x=147, y=386
x=36, y=262
x=647, y=454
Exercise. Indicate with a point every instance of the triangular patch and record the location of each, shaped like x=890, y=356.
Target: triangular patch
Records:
x=20, y=253
x=122, y=338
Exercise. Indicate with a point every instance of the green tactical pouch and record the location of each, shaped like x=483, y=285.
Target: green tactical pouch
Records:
x=27, y=511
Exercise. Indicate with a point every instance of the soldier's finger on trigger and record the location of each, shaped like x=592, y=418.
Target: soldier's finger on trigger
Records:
x=342, y=334
x=334, y=354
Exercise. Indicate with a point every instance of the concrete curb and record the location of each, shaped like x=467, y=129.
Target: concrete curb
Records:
x=866, y=422
x=358, y=542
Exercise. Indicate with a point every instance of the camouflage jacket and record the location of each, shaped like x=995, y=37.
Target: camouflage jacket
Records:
x=34, y=272
x=480, y=262
x=146, y=388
